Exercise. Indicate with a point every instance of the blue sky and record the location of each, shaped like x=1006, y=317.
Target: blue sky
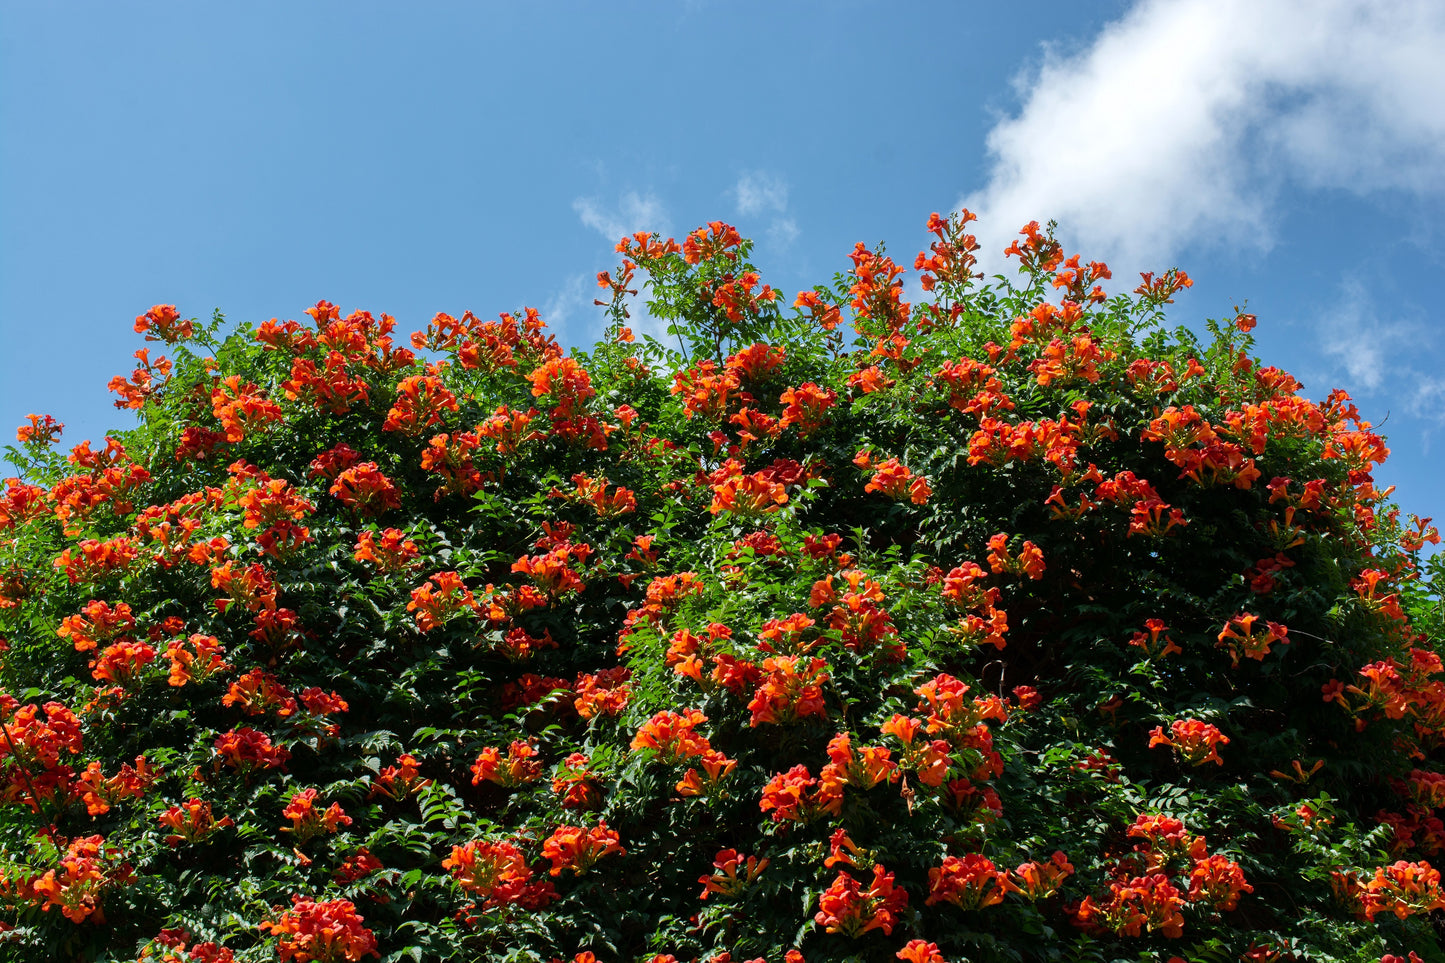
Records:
x=415, y=158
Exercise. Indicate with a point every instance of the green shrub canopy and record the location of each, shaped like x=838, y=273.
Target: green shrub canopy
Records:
x=1008, y=625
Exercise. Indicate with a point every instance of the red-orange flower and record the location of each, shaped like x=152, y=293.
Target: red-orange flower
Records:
x=578, y=848
x=970, y=882
x=791, y=690
x=715, y=240
x=846, y=907
x=920, y=951
x=313, y=932
x=604, y=693
x=401, y=780
x=795, y=796
x=522, y=764
x=726, y=881
x=577, y=784
x=1150, y=641
x=438, y=599
x=309, y=820
x=364, y=488
x=715, y=767
x=248, y=750
x=898, y=482
x=671, y=736
x=1197, y=742
x=421, y=401
x=194, y=659
x=806, y=406
x=1039, y=880
x=1029, y=561
x=1134, y=906
x=99, y=792
x=120, y=662
x=1402, y=888
x=164, y=323
x=1218, y=880
x=191, y=822
x=1242, y=636
x=87, y=870
x=498, y=874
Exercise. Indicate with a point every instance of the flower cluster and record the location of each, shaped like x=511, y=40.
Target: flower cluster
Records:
x=330, y=932
x=846, y=907
x=857, y=630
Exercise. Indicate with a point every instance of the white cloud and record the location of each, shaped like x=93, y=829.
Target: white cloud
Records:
x=783, y=232
x=1358, y=340
x=758, y=191
x=1185, y=117
x=1391, y=359
x=565, y=303
x=1428, y=399
x=634, y=212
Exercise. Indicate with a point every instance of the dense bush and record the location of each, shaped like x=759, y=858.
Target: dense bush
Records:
x=1011, y=625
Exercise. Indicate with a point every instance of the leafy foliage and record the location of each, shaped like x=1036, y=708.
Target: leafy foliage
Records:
x=1012, y=625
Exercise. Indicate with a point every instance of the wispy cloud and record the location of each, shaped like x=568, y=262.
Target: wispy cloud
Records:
x=1183, y=120
x=758, y=192
x=1357, y=340
x=1428, y=399
x=783, y=232
x=762, y=193
x=1390, y=358
x=568, y=302
x=634, y=212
